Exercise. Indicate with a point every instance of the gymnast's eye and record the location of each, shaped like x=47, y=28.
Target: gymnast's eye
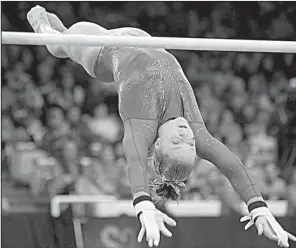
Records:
x=176, y=142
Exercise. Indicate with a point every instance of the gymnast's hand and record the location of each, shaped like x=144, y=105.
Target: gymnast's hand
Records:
x=266, y=224
x=264, y=227
x=152, y=222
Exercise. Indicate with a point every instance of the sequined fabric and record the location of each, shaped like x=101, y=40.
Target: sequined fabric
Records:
x=152, y=86
x=153, y=89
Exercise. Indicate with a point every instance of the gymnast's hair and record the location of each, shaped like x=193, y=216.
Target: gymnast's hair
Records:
x=174, y=169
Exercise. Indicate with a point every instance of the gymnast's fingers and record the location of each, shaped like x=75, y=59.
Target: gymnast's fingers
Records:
x=141, y=234
x=165, y=231
x=150, y=242
x=260, y=229
x=291, y=236
x=168, y=220
x=156, y=241
x=269, y=233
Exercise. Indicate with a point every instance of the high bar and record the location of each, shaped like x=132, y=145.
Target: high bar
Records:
x=197, y=44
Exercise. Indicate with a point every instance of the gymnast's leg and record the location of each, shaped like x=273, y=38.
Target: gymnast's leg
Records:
x=87, y=56
x=44, y=22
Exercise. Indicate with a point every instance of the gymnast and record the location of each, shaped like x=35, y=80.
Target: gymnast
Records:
x=161, y=120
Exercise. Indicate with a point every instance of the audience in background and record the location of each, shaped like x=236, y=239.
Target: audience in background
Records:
x=274, y=187
x=55, y=104
x=291, y=195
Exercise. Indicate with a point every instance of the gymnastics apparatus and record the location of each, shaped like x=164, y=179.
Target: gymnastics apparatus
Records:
x=159, y=113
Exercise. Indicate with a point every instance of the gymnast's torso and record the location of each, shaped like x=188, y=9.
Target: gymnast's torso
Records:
x=152, y=88
x=152, y=85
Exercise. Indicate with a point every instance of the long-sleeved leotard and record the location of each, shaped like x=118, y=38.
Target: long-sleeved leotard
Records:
x=153, y=89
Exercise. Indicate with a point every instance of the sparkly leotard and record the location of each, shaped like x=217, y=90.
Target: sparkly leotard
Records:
x=153, y=89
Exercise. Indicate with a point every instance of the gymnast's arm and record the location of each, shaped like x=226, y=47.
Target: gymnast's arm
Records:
x=211, y=149
x=136, y=146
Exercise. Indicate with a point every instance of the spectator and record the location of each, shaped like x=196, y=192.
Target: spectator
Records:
x=93, y=181
x=28, y=60
x=8, y=136
x=103, y=121
x=67, y=170
x=9, y=91
x=274, y=187
x=32, y=98
x=74, y=117
x=7, y=130
x=44, y=170
x=281, y=27
x=34, y=127
x=291, y=192
x=57, y=129
x=45, y=71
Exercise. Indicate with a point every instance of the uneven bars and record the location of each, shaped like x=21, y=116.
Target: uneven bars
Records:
x=27, y=38
x=183, y=209
x=56, y=201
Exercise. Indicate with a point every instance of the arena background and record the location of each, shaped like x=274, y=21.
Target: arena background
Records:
x=61, y=133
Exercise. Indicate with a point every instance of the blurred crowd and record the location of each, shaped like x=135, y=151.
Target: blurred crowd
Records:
x=72, y=119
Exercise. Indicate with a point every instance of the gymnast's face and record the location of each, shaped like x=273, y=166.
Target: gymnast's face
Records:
x=176, y=136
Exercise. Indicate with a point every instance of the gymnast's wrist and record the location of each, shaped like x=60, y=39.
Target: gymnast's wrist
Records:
x=140, y=193
x=143, y=203
x=255, y=199
x=256, y=205
x=257, y=209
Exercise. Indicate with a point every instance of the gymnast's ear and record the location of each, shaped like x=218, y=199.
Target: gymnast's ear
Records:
x=157, y=144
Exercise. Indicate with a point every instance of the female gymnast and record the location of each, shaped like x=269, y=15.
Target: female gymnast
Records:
x=161, y=118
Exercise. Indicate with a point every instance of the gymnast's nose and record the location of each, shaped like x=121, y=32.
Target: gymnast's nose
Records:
x=183, y=133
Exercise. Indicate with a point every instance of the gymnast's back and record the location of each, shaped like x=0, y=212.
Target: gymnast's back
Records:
x=152, y=85
x=152, y=90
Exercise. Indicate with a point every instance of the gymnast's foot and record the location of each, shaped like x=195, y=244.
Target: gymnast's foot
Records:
x=39, y=21
x=55, y=22
x=37, y=18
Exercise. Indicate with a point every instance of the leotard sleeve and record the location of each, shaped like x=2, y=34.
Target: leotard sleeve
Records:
x=139, y=136
x=209, y=148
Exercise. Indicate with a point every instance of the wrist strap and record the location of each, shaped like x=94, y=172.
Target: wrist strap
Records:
x=257, y=204
x=141, y=198
x=143, y=203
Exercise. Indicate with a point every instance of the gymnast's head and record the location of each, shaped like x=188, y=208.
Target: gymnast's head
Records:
x=174, y=159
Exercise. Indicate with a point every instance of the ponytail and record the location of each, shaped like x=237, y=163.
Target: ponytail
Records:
x=162, y=190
